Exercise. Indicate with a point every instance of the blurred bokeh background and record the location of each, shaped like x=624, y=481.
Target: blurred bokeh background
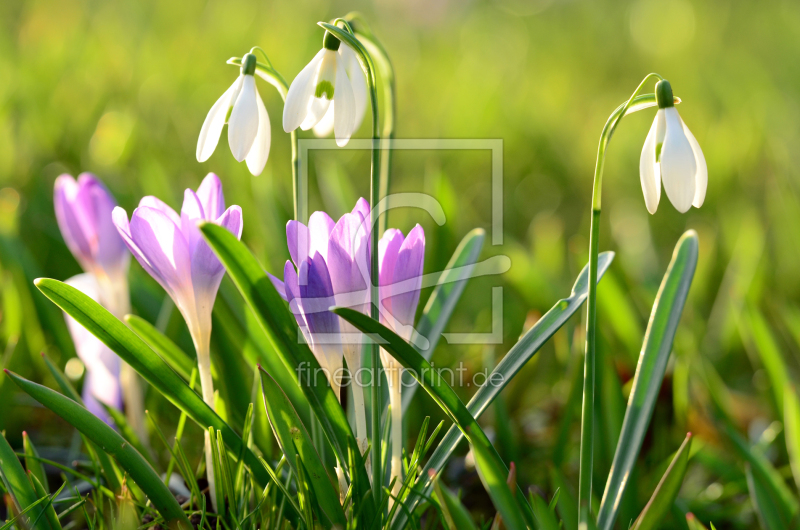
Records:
x=121, y=89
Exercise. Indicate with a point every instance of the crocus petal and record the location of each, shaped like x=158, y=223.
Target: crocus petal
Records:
x=350, y=284
x=162, y=243
x=388, y=250
x=211, y=196
x=362, y=207
x=649, y=172
x=316, y=294
x=215, y=121
x=191, y=212
x=320, y=226
x=407, y=279
x=120, y=219
x=344, y=107
x=243, y=123
x=701, y=179
x=157, y=204
x=259, y=152
x=207, y=270
x=279, y=286
x=678, y=166
x=110, y=252
x=300, y=93
x=72, y=208
x=297, y=239
x=292, y=293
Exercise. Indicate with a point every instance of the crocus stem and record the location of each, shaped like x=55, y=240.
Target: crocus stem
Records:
x=207, y=386
x=394, y=373
x=587, y=412
x=353, y=358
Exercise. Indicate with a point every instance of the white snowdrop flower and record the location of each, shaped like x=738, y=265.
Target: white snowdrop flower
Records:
x=322, y=85
x=248, y=122
x=672, y=155
x=359, y=83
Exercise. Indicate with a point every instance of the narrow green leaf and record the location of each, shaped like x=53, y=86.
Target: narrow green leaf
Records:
x=106, y=466
x=455, y=514
x=127, y=432
x=493, y=478
x=438, y=389
x=758, y=336
x=445, y=296
x=17, y=482
x=566, y=506
x=109, y=441
x=544, y=516
x=32, y=461
x=292, y=434
x=653, y=359
x=281, y=328
x=133, y=350
x=769, y=512
x=49, y=509
x=791, y=423
x=667, y=490
x=179, y=360
x=506, y=369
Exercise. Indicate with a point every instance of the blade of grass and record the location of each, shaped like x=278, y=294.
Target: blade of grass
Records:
x=17, y=483
x=653, y=359
x=32, y=462
x=667, y=489
x=105, y=437
x=494, y=481
x=456, y=516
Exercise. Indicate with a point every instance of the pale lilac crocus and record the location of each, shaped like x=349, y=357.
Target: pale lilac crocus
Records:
x=330, y=266
x=401, y=261
x=172, y=250
x=83, y=210
x=101, y=385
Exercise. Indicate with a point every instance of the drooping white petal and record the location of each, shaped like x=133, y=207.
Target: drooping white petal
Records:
x=300, y=92
x=243, y=124
x=257, y=157
x=344, y=107
x=317, y=108
x=701, y=179
x=215, y=121
x=678, y=166
x=358, y=82
x=649, y=172
x=325, y=126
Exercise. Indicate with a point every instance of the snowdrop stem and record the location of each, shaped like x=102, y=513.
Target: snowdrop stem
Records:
x=386, y=70
x=269, y=74
x=635, y=102
x=347, y=37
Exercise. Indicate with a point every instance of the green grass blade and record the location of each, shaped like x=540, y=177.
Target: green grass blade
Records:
x=653, y=359
x=179, y=360
x=567, y=505
x=106, y=466
x=666, y=491
x=127, y=432
x=115, y=445
x=17, y=483
x=758, y=336
x=507, y=368
x=49, y=509
x=493, y=478
x=292, y=435
x=133, y=350
x=545, y=517
x=456, y=516
x=437, y=388
x=791, y=423
x=445, y=296
x=769, y=512
x=33, y=461
x=274, y=318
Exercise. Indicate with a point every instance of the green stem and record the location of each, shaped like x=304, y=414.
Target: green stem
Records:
x=268, y=73
x=587, y=413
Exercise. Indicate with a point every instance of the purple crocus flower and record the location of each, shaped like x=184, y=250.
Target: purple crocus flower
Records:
x=172, y=250
x=83, y=211
x=101, y=383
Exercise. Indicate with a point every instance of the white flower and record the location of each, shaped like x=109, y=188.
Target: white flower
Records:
x=321, y=85
x=672, y=154
x=248, y=124
x=359, y=83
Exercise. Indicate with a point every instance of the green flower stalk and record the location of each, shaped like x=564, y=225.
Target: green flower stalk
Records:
x=677, y=157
